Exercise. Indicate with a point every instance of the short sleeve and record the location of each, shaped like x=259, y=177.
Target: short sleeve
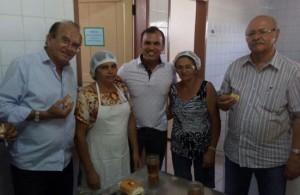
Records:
x=86, y=109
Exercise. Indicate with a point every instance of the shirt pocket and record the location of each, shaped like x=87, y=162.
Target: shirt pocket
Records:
x=273, y=101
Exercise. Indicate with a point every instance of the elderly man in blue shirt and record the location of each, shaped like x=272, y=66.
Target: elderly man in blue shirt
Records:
x=31, y=98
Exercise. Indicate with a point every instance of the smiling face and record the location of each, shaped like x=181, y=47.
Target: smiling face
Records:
x=262, y=34
x=63, y=46
x=152, y=46
x=107, y=72
x=185, y=68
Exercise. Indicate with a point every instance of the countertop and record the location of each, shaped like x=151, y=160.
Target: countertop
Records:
x=168, y=185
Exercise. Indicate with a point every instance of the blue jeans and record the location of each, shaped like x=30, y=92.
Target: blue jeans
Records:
x=43, y=182
x=182, y=168
x=153, y=141
x=238, y=179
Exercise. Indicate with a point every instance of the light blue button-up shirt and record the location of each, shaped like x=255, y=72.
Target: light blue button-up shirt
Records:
x=32, y=83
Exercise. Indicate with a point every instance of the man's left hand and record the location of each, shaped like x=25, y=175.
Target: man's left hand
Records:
x=292, y=169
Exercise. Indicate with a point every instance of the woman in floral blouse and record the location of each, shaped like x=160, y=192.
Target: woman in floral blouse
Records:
x=104, y=122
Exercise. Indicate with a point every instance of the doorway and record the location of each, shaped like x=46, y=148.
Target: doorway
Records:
x=115, y=19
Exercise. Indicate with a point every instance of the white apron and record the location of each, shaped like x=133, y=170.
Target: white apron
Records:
x=108, y=143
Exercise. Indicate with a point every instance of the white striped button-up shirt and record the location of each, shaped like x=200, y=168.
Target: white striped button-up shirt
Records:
x=260, y=123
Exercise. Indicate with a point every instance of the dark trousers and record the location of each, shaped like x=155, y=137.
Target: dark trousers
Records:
x=183, y=168
x=153, y=141
x=238, y=179
x=6, y=186
x=43, y=182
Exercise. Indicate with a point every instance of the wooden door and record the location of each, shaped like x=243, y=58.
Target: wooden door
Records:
x=115, y=17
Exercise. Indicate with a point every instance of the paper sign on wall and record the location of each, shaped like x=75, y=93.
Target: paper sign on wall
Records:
x=93, y=36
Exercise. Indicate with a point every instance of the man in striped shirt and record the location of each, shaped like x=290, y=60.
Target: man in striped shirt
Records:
x=263, y=135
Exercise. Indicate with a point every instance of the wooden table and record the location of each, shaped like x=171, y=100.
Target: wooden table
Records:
x=168, y=185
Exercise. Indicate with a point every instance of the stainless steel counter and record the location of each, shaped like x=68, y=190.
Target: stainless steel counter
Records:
x=168, y=185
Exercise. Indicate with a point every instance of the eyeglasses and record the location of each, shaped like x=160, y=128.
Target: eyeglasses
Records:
x=189, y=67
x=67, y=42
x=261, y=33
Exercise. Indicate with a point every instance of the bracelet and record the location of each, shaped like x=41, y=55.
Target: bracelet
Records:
x=212, y=148
x=296, y=151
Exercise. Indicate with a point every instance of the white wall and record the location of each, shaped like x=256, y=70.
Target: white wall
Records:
x=24, y=25
x=159, y=16
x=182, y=26
x=287, y=13
x=228, y=21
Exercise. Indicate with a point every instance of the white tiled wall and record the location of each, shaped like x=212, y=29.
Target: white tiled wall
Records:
x=182, y=26
x=159, y=16
x=24, y=25
x=287, y=13
x=225, y=34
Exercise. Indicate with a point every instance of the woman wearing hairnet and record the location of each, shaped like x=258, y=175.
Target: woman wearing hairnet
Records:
x=104, y=123
x=196, y=124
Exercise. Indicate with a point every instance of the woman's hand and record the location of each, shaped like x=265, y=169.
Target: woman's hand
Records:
x=208, y=159
x=137, y=161
x=93, y=180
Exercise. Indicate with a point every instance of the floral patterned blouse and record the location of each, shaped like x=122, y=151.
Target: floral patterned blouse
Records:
x=87, y=104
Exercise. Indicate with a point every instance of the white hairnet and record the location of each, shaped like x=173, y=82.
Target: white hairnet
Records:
x=99, y=58
x=190, y=54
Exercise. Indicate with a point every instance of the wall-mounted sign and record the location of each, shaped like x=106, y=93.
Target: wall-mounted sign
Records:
x=93, y=36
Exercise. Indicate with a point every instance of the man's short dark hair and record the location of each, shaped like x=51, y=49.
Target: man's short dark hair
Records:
x=153, y=29
x=54, y=28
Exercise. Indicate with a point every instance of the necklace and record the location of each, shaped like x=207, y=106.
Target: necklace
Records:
x=114, y=96
x=110, y=98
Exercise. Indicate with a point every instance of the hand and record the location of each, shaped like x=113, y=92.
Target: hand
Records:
x=56, y=111
x=93, y=180
x=225, y=102
x=292, y=169
x=208, y=159
x=119, y=79
x=11, y=132
x=137, y=161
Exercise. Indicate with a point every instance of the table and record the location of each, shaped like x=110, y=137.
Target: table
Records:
x=168, y=185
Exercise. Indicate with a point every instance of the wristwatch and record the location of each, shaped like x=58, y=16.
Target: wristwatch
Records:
x=296, y=151
x=37, y=116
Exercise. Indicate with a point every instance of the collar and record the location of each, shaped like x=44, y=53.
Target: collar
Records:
x=272, y=63
x=140, y=63
x=46, y=59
